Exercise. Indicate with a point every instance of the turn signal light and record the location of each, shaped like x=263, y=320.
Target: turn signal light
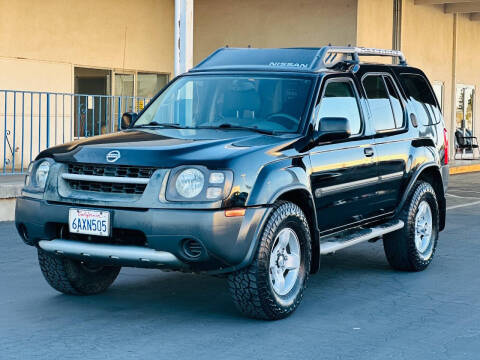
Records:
x=234, y=212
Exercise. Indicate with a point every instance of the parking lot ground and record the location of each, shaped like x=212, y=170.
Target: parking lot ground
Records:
x=357, y=307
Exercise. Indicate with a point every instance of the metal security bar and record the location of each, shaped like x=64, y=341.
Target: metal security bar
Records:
x=32, y=121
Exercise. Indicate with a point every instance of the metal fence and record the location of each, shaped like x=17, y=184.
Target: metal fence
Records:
x=32, y=121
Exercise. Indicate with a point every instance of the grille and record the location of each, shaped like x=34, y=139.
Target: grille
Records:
x=109, y=170
x=100, y=170
x=107, y=187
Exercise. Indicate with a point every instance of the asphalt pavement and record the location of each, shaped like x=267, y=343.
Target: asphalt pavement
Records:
x=356, y=307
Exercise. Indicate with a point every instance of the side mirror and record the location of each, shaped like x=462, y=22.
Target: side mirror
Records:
x=128, y=119
x=332, y=128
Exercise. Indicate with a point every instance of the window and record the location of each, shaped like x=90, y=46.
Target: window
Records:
x=124, y=85
x=213, y=101
x=395, y=101
x=464, y=109
x=379, y=101
x=339, y=100
x=148, y=84
x=420, y=94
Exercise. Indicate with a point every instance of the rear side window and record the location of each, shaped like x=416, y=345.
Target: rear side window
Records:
x=384, y=102
x=421, y=96
x=339, y=100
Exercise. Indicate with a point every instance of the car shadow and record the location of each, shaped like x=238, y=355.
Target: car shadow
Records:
x=152, y=294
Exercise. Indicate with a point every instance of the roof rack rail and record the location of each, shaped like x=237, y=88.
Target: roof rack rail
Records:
x=329, y=56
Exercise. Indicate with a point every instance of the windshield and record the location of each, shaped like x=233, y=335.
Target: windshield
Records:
x=215, y=101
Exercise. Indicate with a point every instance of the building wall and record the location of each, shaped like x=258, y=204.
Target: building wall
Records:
x=375, y=23
x=427, y=41
x=41, y=41
x=266, y=23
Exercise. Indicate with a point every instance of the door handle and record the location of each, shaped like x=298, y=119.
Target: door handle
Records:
x=368, y=152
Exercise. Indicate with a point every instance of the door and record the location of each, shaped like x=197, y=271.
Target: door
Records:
x=344, y=173
x=387, y=110
x=91, y=109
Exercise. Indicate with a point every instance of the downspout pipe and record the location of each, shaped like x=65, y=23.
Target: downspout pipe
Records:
x=183, y=41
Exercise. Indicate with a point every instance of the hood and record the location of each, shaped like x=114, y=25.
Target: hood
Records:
x=172, y=147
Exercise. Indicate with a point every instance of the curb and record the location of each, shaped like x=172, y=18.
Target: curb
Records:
x=464, y=169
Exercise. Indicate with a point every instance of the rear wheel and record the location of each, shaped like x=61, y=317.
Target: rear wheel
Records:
x=413, y=247
x=75, y=277
x=272, y=286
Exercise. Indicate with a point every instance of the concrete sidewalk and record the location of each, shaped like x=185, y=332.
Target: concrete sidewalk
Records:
x=10, y=189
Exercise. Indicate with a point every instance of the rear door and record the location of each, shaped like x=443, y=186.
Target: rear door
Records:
x=392, y=142
x=344, y=173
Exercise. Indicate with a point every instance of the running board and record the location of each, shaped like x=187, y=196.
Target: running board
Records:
x=332, y=244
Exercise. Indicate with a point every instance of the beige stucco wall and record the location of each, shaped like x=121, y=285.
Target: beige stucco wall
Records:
x=427, y=41
x=54, y=35
x=375, y=23
x=42, y=41
x=267, y=23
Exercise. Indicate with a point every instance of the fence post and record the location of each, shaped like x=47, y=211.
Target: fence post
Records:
x=48, y=120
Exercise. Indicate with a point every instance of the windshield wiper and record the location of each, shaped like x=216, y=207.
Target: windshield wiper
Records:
x=239, y=127
x=164, y=125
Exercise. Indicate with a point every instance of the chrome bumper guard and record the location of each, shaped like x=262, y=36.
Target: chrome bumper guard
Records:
x=127, y=255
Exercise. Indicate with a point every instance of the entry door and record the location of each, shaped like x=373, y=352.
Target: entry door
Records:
x=344, y=174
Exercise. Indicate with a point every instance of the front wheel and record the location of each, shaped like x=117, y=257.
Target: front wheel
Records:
x=272, y=286
x=75, y=277
x=413, y=247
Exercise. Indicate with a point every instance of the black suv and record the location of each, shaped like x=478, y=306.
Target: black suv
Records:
x=252, y=165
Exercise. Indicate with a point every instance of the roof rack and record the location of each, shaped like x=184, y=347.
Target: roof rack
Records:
x=329, y=56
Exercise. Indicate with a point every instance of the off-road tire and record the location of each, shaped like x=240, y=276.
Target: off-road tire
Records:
x=72, y=277
x=250, y=287
x=399, y=246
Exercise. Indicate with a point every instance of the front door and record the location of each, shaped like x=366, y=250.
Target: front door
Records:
x=344, y=174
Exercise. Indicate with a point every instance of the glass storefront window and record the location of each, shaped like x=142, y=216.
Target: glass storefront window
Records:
x=149, y=84
x=464, y=109
x=124, y=84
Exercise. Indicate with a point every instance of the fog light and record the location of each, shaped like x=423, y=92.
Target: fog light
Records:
x=214, y=192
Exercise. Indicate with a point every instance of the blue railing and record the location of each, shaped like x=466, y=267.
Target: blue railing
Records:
x=31, y=121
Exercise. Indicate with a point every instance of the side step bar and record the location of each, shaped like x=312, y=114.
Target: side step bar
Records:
x=118, y=254
x=332, y=244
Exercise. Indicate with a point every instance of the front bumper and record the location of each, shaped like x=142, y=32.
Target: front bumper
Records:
x=228, y=242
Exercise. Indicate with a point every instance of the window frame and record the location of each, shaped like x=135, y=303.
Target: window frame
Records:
x=344, y=79
x=404, y=126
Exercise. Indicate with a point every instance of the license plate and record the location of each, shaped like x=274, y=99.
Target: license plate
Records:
x=90, y=222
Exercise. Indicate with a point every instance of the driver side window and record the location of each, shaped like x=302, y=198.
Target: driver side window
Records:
x=340, y=100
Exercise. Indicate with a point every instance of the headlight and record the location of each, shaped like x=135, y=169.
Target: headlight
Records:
x=198, y=184
x=189, y=183
x=37, y=174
